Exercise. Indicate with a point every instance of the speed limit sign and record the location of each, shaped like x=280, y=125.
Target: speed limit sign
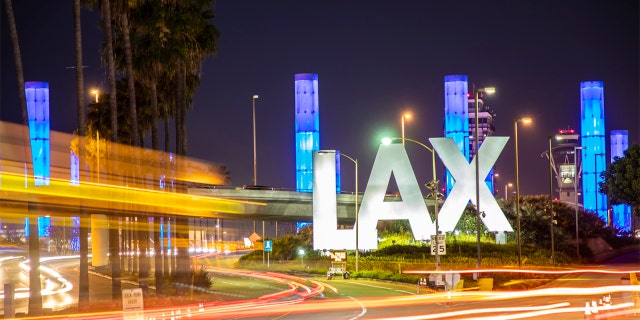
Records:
x=442, y=246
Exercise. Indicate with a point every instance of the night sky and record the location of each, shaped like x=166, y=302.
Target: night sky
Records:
x=375, y=60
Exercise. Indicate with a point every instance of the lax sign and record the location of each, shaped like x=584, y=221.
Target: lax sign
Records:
x=393, y=159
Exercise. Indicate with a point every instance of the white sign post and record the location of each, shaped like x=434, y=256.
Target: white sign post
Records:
x=442, y=246
x=133, y=303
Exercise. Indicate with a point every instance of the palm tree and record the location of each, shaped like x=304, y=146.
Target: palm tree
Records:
x=122, y=10
x=114, y=220
x=83, y=298
x=35, y=295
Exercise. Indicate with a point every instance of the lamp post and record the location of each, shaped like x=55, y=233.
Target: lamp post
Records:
x=407, y=116
x=515, y=130
x=355, y=161
x=575, y=194
x=95, y=92
x=476, y=91
x=506, y=190
x=433, y=185
x=255, y=167
x=551, y=198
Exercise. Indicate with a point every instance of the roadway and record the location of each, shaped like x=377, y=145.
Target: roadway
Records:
x=257, y=295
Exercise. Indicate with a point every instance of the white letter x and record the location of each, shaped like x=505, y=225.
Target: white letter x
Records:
x=465, y=187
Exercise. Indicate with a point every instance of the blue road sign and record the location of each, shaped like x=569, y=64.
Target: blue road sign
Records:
x=268, y=245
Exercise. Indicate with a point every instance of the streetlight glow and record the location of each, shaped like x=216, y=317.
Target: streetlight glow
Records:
x=506, y=190
x=95, y=92
x=489, y=90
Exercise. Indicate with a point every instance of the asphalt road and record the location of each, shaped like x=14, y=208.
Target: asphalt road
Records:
x=368, y=299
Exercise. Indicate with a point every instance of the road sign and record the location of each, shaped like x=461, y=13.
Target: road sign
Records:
x=268, y=245
x=132, y=299
x=338, y=256
x=442, y=246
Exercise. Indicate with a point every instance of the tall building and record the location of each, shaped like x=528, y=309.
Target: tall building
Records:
x=594, y=154
x=563, y=159
x=486, y=128
x=456, y=117
x=620, y=213
x=307, y=128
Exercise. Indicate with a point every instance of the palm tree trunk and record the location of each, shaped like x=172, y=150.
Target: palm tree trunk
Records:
x=108, y=35
x=178, y=109
x=114, y=238
x=167, y=138
x=35, y=295
x=155, y=141
x=135, y=140
x=83, y=297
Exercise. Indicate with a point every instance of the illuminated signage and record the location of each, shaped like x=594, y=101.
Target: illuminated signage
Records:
x=393, y=160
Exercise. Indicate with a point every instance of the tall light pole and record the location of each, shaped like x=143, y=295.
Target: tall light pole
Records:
x=407, y=116
x=355, y=161
x=515, y=131
x=476, y=91
x=433, y=185
x=551, y=198
x=255, y=166
x=575, y=194
x=506, y=190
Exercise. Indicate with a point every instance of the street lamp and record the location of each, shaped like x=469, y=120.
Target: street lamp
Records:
x=575, y=194
x=301, y=253
x=255, y=170
x=433, y=185
x=476, y=91
x=515, y=130
x=551, y=198
x=255, y=165
x=355, y=161
x=95, y=92
x=407, y=116
x=506, y=190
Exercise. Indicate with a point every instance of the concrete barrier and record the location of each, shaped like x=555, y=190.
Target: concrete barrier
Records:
x=485, y=284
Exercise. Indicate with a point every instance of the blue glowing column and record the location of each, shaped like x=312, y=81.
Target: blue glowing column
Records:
x=621, y=212
x=456, y=116
x=594, y=154
x=37, y=94
x=307, y=128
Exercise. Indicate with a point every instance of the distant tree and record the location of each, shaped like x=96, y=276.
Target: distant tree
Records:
x=622, y=179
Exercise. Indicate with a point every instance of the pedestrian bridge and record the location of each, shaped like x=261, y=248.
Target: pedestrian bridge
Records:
x=283, y=205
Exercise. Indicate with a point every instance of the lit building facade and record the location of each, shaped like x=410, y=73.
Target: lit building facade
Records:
x=594, y=154
x=456, y=117
x=564, y=164
x=486, y=118
x=37, y=96
x=621, y=213
x=307, y=128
